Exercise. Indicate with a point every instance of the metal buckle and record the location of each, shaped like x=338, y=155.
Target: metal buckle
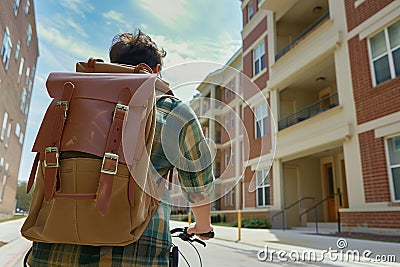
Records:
x=122, y=107
x=50, y=150
x=64, y=103
x=110, y=156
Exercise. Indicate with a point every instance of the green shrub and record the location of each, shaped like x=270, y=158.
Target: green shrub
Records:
x=255, y=223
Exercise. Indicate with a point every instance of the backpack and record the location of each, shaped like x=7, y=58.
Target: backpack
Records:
x=93, y=184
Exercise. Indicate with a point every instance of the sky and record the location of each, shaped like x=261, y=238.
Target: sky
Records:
x=74, y=30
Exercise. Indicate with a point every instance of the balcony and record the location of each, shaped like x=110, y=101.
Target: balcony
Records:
x=274, y=5
x=309, y=111
x=302, y=35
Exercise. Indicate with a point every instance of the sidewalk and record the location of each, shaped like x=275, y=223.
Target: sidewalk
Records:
x=300, y=240
x=13, y=252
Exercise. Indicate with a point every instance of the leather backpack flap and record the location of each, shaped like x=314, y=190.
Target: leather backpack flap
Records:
x=90, y=112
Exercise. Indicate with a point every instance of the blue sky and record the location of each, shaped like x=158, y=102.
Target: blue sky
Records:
x=74, y=30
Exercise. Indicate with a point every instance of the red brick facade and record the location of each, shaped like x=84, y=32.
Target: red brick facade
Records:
x=357, y=15
x=368, y=99
x=374, y=168
x=255, y=34
x=383, y=219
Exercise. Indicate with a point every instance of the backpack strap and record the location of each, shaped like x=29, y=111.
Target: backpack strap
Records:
x=33, y=173
x=51, y=154
x=110, y=158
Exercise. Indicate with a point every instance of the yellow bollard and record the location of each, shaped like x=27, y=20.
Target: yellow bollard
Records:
x=189, y=217
x=239, y=217
x=179, y=217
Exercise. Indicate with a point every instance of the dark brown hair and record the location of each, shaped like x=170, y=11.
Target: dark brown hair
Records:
x=133, y=49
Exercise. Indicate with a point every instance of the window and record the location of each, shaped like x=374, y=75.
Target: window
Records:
x=16, y=6
x=26, y=112
x=232, y=120
x=3, y=186
x=385, y=54
x=226, y=195
x=227, y=154
x=261, y=120
x=17, y=129
x=226, y=122
x=8, y=135
x=21, y=138
x=263, y=186
x=393, y=148
x=4, y=126
x=17, y=50
x=21, y=67
x=227, y=93
x=27, y=76
x=259, y=59
x=1, y=163
x=30, y=85
x=28, y=5
x=232, y=197
x=232, y=156
x=23, y=100
x=6, y=48
x=28, y=38
x=250, y=11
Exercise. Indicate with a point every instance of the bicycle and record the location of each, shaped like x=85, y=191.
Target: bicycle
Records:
x=174, y=253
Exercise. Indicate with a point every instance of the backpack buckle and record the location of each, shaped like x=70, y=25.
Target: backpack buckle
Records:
x=104, y=168
x=64, y=103
x=51, y=149
x=121, y=107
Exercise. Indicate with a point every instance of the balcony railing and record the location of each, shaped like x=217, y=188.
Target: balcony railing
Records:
x=309, y=111
x=301, y=36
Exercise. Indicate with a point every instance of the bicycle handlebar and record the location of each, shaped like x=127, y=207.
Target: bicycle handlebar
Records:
x=190, y=237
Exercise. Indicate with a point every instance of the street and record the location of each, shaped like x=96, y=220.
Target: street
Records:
x=257, y=248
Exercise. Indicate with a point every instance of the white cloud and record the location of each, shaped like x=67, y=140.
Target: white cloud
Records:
x=115, y=16
x=79, y=7
x=168, y=12
x=78, y=28
x=68, y=44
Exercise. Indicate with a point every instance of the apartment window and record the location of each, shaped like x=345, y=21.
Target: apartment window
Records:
x=226, y=196
x=227, y=157
x=385, y=54
x=250, y=11
x=26, y=112
x=393, y=148
x=232, y=120
x=232, y=197
x=30, y=85
x=16, y=6
x=232, y=156
x=261, y=120
x=3, y=186
x=21, y=138
x=259, y=58
x=27, y=76
x=6, y=48
x=27, y=7
x=21, y=67
x=4, y=126
x=29, y=37
x=8, y=135
x=1, y=163
x=23, y=100
x=226, y=122
x=17, y=50
x=263, y=188
x=17, y=130
x=227, y=93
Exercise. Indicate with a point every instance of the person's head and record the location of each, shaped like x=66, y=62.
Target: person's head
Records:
x=133, y=49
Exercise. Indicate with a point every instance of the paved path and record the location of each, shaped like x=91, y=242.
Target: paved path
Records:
x=254, y=240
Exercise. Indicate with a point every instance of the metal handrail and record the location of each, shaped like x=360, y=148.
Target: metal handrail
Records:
x=316, y=211
x=291, y=44
x=308, y=111
x=298, y=202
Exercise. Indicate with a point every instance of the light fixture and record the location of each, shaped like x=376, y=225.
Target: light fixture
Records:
x=317, y=9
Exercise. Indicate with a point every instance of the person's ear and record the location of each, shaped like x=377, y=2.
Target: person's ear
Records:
x=157, y=69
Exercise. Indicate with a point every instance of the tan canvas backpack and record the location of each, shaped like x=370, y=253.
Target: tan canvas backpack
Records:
x=93, y=185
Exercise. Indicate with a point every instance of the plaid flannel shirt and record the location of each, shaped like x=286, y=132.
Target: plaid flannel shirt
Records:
x=196, y=179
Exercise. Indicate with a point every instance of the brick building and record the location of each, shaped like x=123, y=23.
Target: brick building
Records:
x=19, y=53
x=329, y=71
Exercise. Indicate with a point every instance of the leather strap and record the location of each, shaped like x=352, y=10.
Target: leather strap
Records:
x=110, y=159
x=51, y=154
x=33, y=173
x=90, y=64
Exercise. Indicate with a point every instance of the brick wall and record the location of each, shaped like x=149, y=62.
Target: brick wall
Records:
x=255, y=34
x=374, y=168
x=371, y=102
x=383, y=219
x=356, y=16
